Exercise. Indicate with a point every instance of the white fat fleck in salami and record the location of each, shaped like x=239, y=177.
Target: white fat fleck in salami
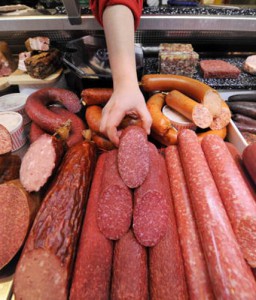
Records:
x=197, y=276
x=133, y=156
x=230, y=275
x=114, y=211
x=5, y=140
x=151, y=209
x=201, y=116
x=235, y=194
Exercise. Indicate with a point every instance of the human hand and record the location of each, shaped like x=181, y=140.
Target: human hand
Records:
x=124, y=101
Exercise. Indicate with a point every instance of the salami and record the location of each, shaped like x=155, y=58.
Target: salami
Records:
x=236, y=197
x=92, y=272
x=151, y=209
x=18, y=210
x=39, y=162
x=249, y=159
x=114, y=212
x=47, y=259
x=229, y=280
x=129, y=270
x=199, y=285
x=166, y=270
x=6, y=140
x=133, y=156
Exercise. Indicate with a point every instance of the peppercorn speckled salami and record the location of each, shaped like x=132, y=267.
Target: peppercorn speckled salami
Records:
x=129, y=280
x=133, y=156
x=150, y=216
x=92, y=272
x=231, y=277
x=236, y=197
x=115, y=201
x=44, y=270
x=166, y=270
x=199, y=285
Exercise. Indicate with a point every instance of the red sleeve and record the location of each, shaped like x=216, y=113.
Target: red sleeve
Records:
x=98, y=6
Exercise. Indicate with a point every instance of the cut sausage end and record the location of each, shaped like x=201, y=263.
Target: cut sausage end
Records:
x=114, y=212
x=212, y=101
x=14, y=222
x=222, y=120
x=201, y=116
x=35, y=279
x=5, y=140
x=150, y=218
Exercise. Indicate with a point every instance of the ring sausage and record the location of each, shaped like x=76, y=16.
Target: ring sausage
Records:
x=193, y=88
x=223, y=119
x=96, y=96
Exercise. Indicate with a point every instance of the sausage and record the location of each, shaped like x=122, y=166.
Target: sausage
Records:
x=93, y=115
x=133, y=156
x=244, y=108
x=161, y=129
x=77, y=125
x=244, y=120
x=222, y=133
x=9, y=167
x=166, y=269
x=236, y=197
x=199, y=114
x=96, y=96
x=35, y=132
x=193, y=88
x=150, y=213
x=242, y=97
x=223, y=119
x=102, y=142
x=92, y=271
x=229, y=280
x=47, y=259
x=249, y=159
x=40, y=161
x=245, y=128
x=6, y=140
x=38, y=112
x=129, y=279
x=197, y=276
x=114, y=211
x=18, y=210
x=240, y=165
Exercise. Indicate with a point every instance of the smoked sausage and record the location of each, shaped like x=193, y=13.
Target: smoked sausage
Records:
x=229, y=280
x=96, y=96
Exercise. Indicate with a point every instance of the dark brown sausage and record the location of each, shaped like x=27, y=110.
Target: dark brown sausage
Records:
x=96, y=96
x=6, y=140
x=197, y=276
x=18, y=210
x=150, y=214
x=242, y=97
x=236, y=197
x=245, y=128
x=92, y=272
x=229, y=280
x=129, y=279
x=40, y=161
x=38, y=112
x=166, y=269
x=133, y=156
x=9, y=167
x=115, y=202
x=244, y=120
x=249, y=159
x=244, y=108
x=47, y=259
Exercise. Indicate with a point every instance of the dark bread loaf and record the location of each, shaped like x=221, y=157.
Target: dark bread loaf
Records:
x=43, y=64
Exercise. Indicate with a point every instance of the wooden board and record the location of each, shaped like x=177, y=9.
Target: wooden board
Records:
x=19, y=77
x=4, y=83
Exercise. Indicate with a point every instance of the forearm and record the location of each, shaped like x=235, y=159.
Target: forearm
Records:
x=118, y=22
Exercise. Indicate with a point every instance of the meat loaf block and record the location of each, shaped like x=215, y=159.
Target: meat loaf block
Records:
x=43, y=64
x=216, y=68
x=7, y=62
x=175, y=47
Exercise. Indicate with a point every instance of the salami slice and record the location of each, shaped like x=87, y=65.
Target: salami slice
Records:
x=197, y=276
x=236, y=197
x=133, y=156
x=5, y=140
x=150, y=216
x=129, y=270
x=115, y=202
x=92, y=272
x=230, y=276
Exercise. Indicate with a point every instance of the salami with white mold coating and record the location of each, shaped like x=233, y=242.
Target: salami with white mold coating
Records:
x=235, y=194
x=230, y=276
